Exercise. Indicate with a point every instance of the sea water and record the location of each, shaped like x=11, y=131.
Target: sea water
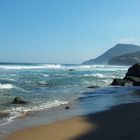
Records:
x=45, y=86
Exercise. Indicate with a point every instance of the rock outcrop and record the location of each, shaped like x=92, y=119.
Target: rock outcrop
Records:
x=67, y=107
x=93, y=86
x=134, y=71
x=132, y=77
x=18, y=100
x=121, y=82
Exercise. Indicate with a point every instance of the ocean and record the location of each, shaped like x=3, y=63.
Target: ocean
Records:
x=46, y=86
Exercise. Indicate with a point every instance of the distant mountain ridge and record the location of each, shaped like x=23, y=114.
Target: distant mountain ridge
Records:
x=126, y=59
x=117, y=50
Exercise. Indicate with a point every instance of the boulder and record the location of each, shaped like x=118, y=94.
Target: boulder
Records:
x=67, y=107
x=136, y=84
x=132, y=77
x=134, y=71
x=121, y=82
x=18, y=100
x=93, y=86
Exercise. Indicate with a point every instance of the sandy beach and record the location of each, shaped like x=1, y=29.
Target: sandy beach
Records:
x=119, y=123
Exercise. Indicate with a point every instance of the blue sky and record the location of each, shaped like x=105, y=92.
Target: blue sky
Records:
x=65, y=31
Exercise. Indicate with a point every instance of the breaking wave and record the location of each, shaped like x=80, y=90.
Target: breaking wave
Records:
x=59, y=66
x=19, y=111
x=97, y=75
x=6, y=86
x=19, y=67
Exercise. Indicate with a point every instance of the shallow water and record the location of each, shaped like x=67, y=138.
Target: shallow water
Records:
x=47, y=86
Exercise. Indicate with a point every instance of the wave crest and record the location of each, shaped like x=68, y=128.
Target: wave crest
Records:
x=97, y=75
x=6, y=86
x=43, y=66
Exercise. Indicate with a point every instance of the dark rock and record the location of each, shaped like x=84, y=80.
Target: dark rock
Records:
x=121, y=82
x=134, y=71
x=4, y=114
x=18, y=100
x=135, y=80
x=136, y=84
x=71, y=69
x=67, y=107
x=93, y=87
x=132, y=77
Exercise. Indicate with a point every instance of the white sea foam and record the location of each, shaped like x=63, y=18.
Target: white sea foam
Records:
x=6, y=86
x=111, y=68
x=45, y=75
x=8, y=79
x=97, y=75
x=19, y=111
x=111, y=76
x=106, y=82
x=19, y=67
x=53, y=66
x=58, y=66
x=49, y=104
x=96, y=67
x=100, y=67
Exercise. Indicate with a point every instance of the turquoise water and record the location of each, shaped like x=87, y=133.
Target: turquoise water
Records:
x=45, y=86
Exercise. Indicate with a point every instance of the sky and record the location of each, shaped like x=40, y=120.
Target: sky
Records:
x=65, y=31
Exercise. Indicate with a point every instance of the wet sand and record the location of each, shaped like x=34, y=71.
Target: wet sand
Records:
x=119, y=123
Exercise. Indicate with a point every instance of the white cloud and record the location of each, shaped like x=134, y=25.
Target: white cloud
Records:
x=127, y=40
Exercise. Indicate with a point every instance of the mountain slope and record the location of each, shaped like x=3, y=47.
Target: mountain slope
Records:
x=117, y=50
x=126, y=59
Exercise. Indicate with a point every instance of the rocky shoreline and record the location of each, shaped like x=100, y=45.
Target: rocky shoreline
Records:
x=132, y=77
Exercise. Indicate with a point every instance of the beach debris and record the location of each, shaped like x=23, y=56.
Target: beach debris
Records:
x=18, y=100
x=132, y=77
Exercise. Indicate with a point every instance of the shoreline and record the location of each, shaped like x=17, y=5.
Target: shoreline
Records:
x=121, y=122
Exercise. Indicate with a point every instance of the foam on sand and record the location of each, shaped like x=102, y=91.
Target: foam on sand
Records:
x=18, y=111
